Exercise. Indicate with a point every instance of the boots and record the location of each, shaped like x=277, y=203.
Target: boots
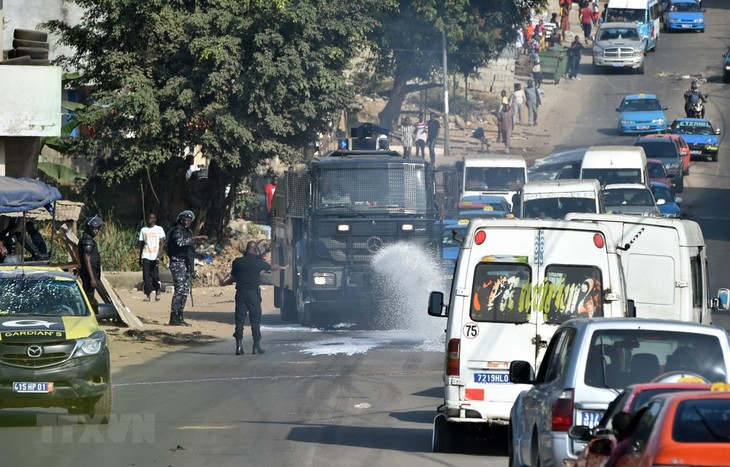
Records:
x=174, y=320
x=239, y=347
x=182, y=320
x=257, y=348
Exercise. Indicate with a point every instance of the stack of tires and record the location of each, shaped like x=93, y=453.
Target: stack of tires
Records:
x=30, y=47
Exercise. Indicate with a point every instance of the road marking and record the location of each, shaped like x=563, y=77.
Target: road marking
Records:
x=206, y=427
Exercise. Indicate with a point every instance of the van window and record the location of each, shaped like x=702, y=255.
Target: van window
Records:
x=695, y=265
x=494, y=178
x=570, y=292
x=625, y=15
x=557, y=207
x=501, y=293
x=613, y=176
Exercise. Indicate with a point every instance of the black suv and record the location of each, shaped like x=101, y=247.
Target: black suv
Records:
x=665, y=150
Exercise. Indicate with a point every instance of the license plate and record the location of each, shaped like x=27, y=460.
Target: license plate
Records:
x=696, y=153
x=590, y=419
x=642, y=127
x=618, y=65
x=686, y=25
x=33, y=388
x=486, y=378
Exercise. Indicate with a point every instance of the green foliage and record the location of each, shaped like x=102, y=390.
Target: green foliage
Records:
x=118, y=248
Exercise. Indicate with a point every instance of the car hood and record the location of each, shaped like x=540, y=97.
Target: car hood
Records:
x=634, y=43
x=640, y=210
x=25, y=329
x=643, y=115
x=699, y=139
x=670, y=207
x=684, y=15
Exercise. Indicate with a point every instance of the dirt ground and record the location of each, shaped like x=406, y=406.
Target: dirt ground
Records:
x=211, y=319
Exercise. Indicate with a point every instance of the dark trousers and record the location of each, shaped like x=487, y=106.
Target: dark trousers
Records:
x=181, y=280
x=248, y=301
x=88, y=289
x=432, y=151
x=150, y=276
x=574, y=64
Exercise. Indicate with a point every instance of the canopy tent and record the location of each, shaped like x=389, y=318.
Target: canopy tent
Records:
x=25, y=194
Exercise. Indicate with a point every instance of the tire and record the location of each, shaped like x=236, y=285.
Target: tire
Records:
x=680, y=185
x=32, y=52
x=17, y=43
x=443, y=435
x=535, y=457
x=288, y=310
x=511, y=452
x=640, y=70
x=30, y=35
x=304, y=310
x=713, y=157
x=100, y=409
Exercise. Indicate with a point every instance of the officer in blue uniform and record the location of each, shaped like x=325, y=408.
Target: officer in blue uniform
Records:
x=90, y=267
x=181, y=250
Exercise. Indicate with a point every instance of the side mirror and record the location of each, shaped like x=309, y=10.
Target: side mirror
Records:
x=601, y=446
x=661, y=202
x=436, y=304
x=617, y=109
x=717, y=131
x=521, y=372
x=665, y=108
x=723, y=296
x=580, y=433
x=678, y=199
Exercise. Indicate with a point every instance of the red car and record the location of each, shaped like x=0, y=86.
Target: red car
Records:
x=629, y=400
x=658, y=173
x=681, y=429
x=682, y=147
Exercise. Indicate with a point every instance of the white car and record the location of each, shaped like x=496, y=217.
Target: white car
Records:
x=619, y=45
x=588, y=362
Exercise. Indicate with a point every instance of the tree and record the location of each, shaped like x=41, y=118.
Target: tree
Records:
x=407, y=45
x=246, y=79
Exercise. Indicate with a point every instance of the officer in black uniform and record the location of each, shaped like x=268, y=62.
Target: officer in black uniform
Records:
x=181, y=250
x=245, y=272
x=90, y=268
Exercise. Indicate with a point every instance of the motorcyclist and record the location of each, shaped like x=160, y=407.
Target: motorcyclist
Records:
x=691, y=97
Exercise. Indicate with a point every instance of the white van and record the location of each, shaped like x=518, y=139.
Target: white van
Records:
x=515, y=281
x=615, y=164
x=645, y=13
x=664, y=262
x=497, y=174
x=554, y=199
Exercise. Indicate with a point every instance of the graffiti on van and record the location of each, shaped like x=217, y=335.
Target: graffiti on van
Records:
x=505, y=293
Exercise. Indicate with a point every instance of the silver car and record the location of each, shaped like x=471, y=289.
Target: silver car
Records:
x=586, y=365
x=619, y=45
x=630, y=198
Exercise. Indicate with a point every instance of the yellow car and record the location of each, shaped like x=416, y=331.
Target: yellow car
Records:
x=52, y=351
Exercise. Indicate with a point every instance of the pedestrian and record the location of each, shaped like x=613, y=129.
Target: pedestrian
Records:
x=245, y=272
x=537, y=70
x=551, y=28
x=433, y=133
x=532, y=98
x=269, y=191
x=90, y=267
x=505, y=120
x=518, y=104
x=586, y=20
x=406, y=137
x=565, y=6
x=36, y=238
x=519, y=43
x=576, y=50
x=181, y=250
x=151, y=241
x=421, y=135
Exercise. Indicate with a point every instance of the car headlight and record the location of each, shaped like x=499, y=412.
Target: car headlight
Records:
x=324, y=278
x=659, y=121
x=91, y=345
x=699, y=20
x=597, y=51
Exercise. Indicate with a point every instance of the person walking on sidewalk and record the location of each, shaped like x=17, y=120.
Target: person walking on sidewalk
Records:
x=576, y=50
x=586, y=20
x=181, y=250
x=245, y=272
x=505, y=121
x=518, y=104
x=532, y=98
x=537, y=70
x=151, y=240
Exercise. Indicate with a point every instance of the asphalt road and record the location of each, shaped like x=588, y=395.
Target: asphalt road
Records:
x=345, y=397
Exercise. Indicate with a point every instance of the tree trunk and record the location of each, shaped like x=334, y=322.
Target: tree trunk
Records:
x=214, y=212
x=389, y=115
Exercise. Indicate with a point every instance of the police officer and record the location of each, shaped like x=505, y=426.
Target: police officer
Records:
x=90, y=268
x=181, y=250
x=245, y=272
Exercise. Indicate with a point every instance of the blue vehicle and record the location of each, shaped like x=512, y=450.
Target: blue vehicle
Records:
x=667, y=203
x=641, y=114
x=684, y=15
x=452, y=232
x=700, y=136
x=726, y=66
x=486, y=202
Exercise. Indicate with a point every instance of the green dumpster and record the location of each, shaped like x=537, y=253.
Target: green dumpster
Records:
x=554, y=63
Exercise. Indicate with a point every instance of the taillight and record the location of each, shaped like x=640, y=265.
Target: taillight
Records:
x=452, y=357
x=563, y=411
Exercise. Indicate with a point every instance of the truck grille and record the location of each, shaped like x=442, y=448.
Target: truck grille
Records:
x=17, y=355
x=619, y=52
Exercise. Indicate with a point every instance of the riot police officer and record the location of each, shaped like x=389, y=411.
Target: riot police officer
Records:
x=90, y=267
x=181, y=250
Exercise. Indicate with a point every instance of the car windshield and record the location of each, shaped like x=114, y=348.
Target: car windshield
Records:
x=44, y=296
x=657, y=171
x=662, y=192
x=557, y=208
x=684, y=7
x=702, y=421
x=494, y=178
x=625, y=15
x=618, y=358
x=640, y=105
x=610, y=176
x=639, y=400
x=693, y=128
x=396, y=188
x=658, y=149
x=627, y=197
x=610, y=34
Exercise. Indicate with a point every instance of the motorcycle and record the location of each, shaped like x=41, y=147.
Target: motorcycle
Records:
x=696, y=109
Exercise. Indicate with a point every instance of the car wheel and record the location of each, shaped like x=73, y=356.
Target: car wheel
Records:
x=640, y=70
x=514, y=460
x=101, y=409
x=304, y=310
x=680, y=185
x=535, y=457
x=713, y=157
x=726, y=77
x=288, y=309
x=443, y=437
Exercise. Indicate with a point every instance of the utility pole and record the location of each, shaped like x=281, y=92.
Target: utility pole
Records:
x=447, y=151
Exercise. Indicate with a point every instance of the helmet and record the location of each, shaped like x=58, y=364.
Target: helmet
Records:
x=187, y=214
x=94, y=223
x=694, y=85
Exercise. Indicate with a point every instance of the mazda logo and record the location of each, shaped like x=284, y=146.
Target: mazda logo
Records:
x=374, y=244
x=34, y=351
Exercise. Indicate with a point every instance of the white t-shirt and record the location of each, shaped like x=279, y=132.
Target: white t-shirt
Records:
x=421, y=131
x=151, y=237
